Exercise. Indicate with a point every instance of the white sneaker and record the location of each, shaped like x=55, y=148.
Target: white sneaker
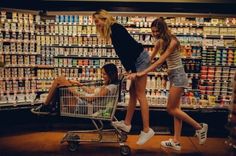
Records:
x=202, y=133
x=144, y=137
x=171, y=144
x=121, y=125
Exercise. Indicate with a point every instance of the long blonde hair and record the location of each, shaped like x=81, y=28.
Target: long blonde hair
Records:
x=104, y=32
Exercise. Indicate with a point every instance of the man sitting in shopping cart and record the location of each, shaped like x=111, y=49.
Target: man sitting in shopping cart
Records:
x=110, y=78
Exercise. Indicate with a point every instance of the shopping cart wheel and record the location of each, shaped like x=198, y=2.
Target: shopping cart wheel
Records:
x=74, y=143
x=125, y=150
x=73, y=146
x=123, y=137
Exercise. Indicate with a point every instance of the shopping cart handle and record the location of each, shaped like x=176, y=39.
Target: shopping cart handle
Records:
x=120, y=78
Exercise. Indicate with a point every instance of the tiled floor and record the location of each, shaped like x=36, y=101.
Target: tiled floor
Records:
x=48, y=144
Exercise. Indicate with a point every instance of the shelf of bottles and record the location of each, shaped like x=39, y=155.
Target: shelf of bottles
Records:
x=218, y=61
x=19, y=52
x=231, y=126
x=76, y=51
x=37, y=50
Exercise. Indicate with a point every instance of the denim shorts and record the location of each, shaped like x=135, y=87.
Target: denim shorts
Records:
x=143, y=61
x=178, y=77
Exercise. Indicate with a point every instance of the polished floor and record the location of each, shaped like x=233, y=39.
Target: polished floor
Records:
x=48, y=144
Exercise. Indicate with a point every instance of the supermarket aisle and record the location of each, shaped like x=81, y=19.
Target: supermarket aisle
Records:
x=48, y=144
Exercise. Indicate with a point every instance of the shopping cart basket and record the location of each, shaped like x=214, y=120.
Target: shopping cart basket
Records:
x=75, y=102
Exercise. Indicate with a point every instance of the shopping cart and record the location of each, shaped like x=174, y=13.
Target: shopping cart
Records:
x=75, y=102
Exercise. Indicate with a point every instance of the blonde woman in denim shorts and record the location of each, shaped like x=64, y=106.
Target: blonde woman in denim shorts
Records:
x=169, y=48
x=134, y=59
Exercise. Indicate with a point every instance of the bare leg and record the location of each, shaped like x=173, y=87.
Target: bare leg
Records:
x=60, y=81
x=140, y=84
x=179, y=116
x=131, y=105
x=177, y=129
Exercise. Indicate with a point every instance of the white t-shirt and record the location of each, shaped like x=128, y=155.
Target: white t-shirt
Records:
x=108, y=103
x=112, y=88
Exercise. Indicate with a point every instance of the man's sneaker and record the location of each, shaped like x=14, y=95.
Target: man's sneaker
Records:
x=121, y=125
x=171, y=144
x=202, y=133
x=144, y=137
x=44, y=110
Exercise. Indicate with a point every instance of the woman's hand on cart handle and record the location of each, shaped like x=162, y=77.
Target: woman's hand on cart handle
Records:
x=74, y=82
x=131, y=76
x=126, y=73
x=140, y=74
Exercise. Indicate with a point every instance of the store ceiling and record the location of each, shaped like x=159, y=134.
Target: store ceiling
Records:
x=166, y=1
x=179, y=6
